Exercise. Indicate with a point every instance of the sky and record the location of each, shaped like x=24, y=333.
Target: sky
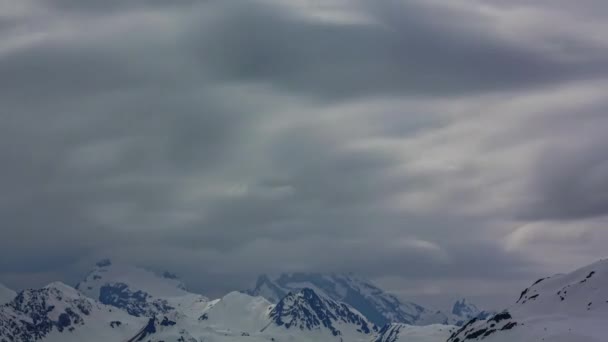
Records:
x=440, y=148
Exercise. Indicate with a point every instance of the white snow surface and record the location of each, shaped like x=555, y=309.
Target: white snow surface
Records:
x=135, y=277
x=397, y=332
x=563, y=308
x=90, y=320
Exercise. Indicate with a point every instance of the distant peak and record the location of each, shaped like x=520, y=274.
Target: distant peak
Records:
x=169, y=275
x=464, y=308
x=262, y=279
x=309, y=293
x=461, y=302
x=61, y=287
x=103, y=263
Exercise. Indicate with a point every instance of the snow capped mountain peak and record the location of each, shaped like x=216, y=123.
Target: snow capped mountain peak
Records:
x=165, y=285
x=6, y=294
x=582, y=291
x=563, y=307
x=63, y=288
x=268, y=289
x=138, y=291
x=58, y=312
x=378, y=306
x=463, y=311
x=306, y=310
x=463, y=308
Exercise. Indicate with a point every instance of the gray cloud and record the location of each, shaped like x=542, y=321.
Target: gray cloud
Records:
x=222, y=139
x=572, y=182
x=405, y=50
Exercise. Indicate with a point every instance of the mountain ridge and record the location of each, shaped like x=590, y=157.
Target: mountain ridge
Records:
x=377, y=305
x=563, y=307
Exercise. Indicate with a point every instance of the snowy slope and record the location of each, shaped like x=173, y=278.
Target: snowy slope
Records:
x=61, y=313
x=397, y=332
x=58, y=312
x=140, y=292
x=6, y=294
x=105, y=272
x=378, y=306
x=308, y=311
x=237, y=312
x=570, y=307
x=302, y=316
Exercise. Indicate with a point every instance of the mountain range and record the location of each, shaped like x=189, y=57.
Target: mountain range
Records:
x=125, y=303
x=377, y=305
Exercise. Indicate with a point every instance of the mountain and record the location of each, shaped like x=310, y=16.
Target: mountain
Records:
x=173, y=313
x=301, y=316
x=463, y=311
x=6, y=294
x=145, y=306
x=237, y=311
x=58, y=312
x=140, y=292
x=307, y=310
x=126, y=303
x=564, y=307
x=378, y=306
x=397, y=332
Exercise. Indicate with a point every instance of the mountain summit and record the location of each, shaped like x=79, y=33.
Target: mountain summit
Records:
x=463, y=311
x=306, y=310
x=564, y=307
x=140, y=292
x=375, y=304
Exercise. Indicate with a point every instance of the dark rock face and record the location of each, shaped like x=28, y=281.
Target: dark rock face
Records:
x=464, y=311
x=307, y=311
x=36, y=306
x=389, y=333
x=471, y=331
x=136, y=303
x=104, y=263
x=167, y=322
x=148, y=330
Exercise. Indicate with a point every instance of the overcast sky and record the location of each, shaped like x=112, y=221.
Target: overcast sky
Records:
x=441, y=148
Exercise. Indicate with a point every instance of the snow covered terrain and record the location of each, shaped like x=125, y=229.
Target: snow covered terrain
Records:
x=140, y=292
x=144, y=306
x=302, y=316
x=378, y=306
x=126, y=303
x=563, y=308
x=397, y=332
x=58, y=312
x=6, y=294
x=307, y=310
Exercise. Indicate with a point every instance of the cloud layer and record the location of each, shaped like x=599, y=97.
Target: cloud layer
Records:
x=423, y=144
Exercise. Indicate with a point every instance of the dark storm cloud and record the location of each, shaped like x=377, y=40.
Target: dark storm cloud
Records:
x=414, y=49
x=112, y=6
x=572, y=182
x=223, y=139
